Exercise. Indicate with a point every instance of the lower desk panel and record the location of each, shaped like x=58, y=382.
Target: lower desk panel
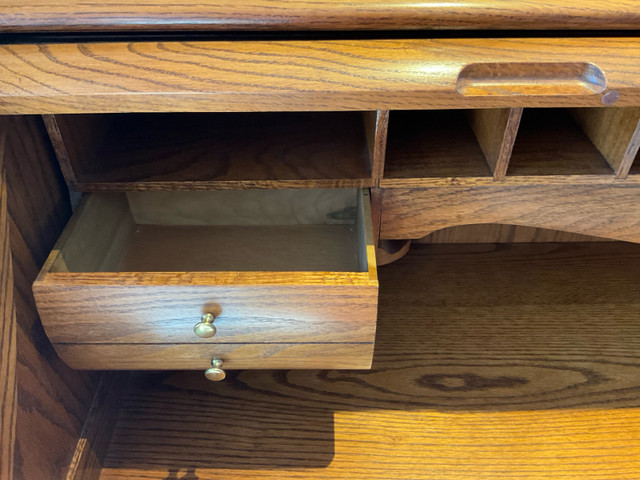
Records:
x=235, y=356
x=604, y=210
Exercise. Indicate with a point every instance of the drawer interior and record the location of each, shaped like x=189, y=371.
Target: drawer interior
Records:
x=223, y=150
x=259, y=230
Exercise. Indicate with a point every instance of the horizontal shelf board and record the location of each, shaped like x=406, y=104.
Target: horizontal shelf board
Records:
x=509, y=180
x=148, y=151
x=433, y=144
x=223, y=185
x=550, y=142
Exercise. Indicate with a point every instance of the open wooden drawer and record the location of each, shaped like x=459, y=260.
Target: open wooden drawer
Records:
x=287, y=276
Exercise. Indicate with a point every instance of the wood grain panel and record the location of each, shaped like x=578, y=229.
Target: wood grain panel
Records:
x=615, y=132
x=496, y=131
x=609, y=211
x=8, y=346
x=92, y=445
x=52, y=398
x=517, y=361
x=300, y=75
x=196, y=151
x=59, y=15
x=235, y=356
x=167, y=314
x=377, y=127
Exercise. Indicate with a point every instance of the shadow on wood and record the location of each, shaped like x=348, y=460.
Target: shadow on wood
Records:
x=467, y=333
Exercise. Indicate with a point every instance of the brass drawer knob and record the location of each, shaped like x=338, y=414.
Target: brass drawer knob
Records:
x=215, y=373
x=205, y=328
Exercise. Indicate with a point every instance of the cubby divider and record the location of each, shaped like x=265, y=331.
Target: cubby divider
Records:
x=615, y=132
x=496, y=130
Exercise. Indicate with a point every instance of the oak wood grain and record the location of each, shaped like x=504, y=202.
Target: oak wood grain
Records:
x=196, y=151
x=514, y=361
x=496, y=130
x=8, y=343
x=128, y=15
x=147, y=294
x=258, y=356
x=377, y=130
x=167, y=314
x=550, y=142
x=615, y=132
x=52, y=398
x=296, y=75
x=609, y=211
x=92, y=445
x=432, y=145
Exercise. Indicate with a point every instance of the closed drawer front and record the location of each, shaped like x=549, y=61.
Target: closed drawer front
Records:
x=235, y=356
x=272, y=267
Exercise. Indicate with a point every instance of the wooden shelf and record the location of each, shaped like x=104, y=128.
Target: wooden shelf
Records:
x=519, y=359
x=210, y=151
x=550, y=142
x=432, y=144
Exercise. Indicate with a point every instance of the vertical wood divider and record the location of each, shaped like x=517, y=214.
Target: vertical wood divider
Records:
x=615, y=132
x=60, y=149
x=97, y=431
x=376, y=213
x=496, y=131
x=376, y=125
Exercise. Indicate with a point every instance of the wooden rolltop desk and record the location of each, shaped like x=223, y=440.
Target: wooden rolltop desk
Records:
x=210, y=187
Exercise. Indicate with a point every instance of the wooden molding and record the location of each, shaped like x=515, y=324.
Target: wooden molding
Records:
x=8, y=346
x=296, y=15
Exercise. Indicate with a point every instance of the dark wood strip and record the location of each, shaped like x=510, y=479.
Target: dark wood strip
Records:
x=8, y=347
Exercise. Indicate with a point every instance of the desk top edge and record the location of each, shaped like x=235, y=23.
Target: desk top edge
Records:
x=35, y=16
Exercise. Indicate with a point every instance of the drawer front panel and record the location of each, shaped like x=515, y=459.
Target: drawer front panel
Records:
x=314, y=75
x=234, y=356
x=244, y=313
